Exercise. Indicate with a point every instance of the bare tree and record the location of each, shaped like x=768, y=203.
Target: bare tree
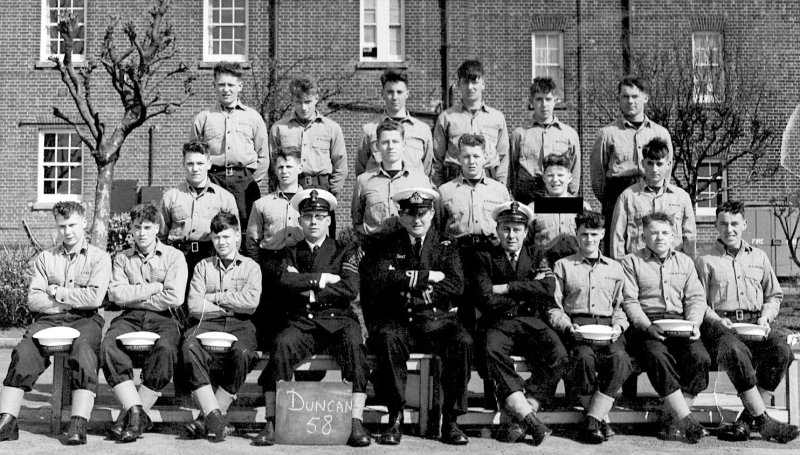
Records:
x=787, y=211
x=137, y=73
x=713, y=105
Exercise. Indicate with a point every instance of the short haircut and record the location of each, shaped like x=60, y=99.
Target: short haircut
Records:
x=302, y=86
x=393, y=75
x=66, y=209
x=656, y=216
x=590, y=220
x=144, y=212
x=656, y=149
x=543, y=85
x=232, y=68
x=732, y=207
x=224, y=220
x=470, y=70
x=558, y=159
x=632, y=81
x=195, y=146
x=390, y=125
x=287, y=152
x=471, y=140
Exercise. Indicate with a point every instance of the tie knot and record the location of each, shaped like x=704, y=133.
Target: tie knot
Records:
x=315, y=249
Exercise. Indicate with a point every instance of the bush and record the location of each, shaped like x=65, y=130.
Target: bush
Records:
x=14, y=280
x=118, y=237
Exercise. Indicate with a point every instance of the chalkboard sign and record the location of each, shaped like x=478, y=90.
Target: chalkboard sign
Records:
x=313, y=413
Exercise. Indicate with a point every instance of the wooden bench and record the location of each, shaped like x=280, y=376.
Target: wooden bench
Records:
x=248, y=408
x=632, y=407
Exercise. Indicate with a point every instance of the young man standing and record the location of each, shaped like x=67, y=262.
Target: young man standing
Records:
x=742, y=287
x=418, y=141
x=318, y=280
x=516, y=285
x=274, y=225
x=373, y=210
x=615, y=163
x=413, y=283
x=653, y=194
x=661, y=283
x=554, y=233
x=319, y=139
x=471, y=116
x=237, y=138
x=68, y=285
x=589, y=291
x=148, y=283
x=542, y=136
x=224, y=293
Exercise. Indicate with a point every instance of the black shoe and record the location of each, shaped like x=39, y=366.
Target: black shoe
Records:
x=115, y=430
x=266, y=437
x=536, y=428
x=592, y=432
x=608, y=432
x=196, y=429
x=358, y=435
x=76, y=434
x=510, y=432
x=773, y=430
x=215, y=423
x=9, y=430
x=687, y=429
x=453, y=435
x=393, y=434
x=138, y=423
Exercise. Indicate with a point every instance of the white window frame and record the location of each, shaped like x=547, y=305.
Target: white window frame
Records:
x=559, y=38
x=208, y=56
x=722, y=179
x=704, y=90
x=382, y=35
x=41, y=197
x=44, y=46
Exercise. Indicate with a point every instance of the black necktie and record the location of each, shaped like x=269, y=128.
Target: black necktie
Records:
x=314, y=253
x=513, y=259
x=417, y=247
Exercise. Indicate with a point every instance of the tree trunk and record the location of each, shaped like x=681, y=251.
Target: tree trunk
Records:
x=102, y=204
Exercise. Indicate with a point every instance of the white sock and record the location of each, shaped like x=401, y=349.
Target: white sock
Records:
x=676, y=405
x=518, y=405
x=359, y=402
x=11, y=400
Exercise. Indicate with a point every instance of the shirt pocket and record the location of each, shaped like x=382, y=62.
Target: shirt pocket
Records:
x=180, y=214
x=82, y=279
x=213, y=130
x=320, y=159
x=677, y=281
x=245, y=132
x=561, y=146
x=415, y=150
x=377, y=209
x=211, y=209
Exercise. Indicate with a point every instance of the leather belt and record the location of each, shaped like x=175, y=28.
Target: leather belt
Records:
x=740, y=315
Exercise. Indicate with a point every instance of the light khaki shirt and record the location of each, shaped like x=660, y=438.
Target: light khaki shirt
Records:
x=745, y=282
x=237, y=138
x=217, y=290
x=156, y=282
x=186, y=215
x=417, y=153
x=82, y=281
x=273, y=224
x=531, y=143
x=586, y=289
x=467, y=209
x=653, y=286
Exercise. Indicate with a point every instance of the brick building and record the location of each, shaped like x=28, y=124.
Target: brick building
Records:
x=584, y=43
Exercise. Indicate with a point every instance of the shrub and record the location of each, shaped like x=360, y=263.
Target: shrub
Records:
x=118, y=237
x=14, y=280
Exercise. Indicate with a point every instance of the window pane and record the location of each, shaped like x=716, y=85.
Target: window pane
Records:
x=369, y=34
x=394, y=41
x=227, y=3
x=239, y=16
x=238, y=47
x=62, y=187
x=49, y=172
x=394, y=11
x=49, y=140
x=54, y=16
x=227, y=16
x=226, y=48
x=75, y=156
x=49, y=187
x=369, y=4
x=554, y=57
x=63, y=155
x=369, y=17
x=75, y=186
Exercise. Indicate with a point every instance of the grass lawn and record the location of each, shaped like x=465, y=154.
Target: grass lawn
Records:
x=789, y=318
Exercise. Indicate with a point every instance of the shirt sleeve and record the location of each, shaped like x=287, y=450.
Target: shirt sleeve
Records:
x=630, y=292
x=694, y=297
x=363, y=153
x=338, y=161
x=164, y=217
x=357, y=209
x=255, y=232
x=597, y=165
x=575, y=184
x=440, y=143
x=427, y=153
x=558, y=317
x=197, y=301
x=246, y=299
x=173, y=288
x=618, y=316
x=121, y=291
x=38, y=300
x=689, y=227
x=773, y=294
x=261, y=143
x=513, y=164
x=502, y=153
x=619, y=228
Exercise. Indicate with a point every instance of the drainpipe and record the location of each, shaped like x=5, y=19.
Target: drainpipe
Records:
x=151, y=139
x=579, y=9
x=444, y=51
x=627, y=43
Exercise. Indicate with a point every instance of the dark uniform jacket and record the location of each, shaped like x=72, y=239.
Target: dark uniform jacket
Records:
x=331, y=307
x=530, y=287
x=396, y=281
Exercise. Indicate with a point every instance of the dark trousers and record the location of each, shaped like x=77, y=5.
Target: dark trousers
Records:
x=392, y=342
x=293, y=345
x=28, y=362
x=673, y=364
x=748, y=363
x=540, y=345
x=227, y=370
x=614, y=187
x=599, y=368
x=243, y=188
x=158, y=363
x=270, y=317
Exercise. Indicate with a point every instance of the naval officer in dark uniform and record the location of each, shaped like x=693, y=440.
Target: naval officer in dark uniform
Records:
x=413, y=283
x=318, y=279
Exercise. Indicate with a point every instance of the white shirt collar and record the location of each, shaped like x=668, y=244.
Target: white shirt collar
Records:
x=317, y=243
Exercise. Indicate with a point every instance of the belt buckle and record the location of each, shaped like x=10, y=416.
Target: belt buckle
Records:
x=739, y=315
x=308, y=180
x=194, y=247
x=228, y=171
